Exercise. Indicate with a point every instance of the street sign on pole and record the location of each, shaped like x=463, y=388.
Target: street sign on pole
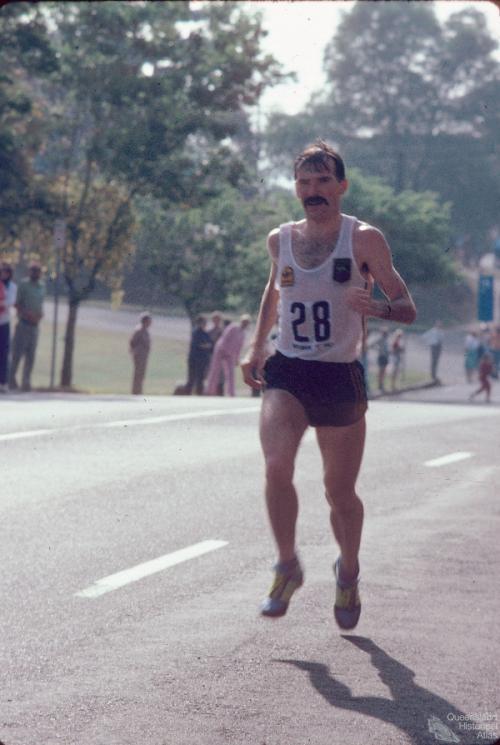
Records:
x=485, y=298
x=59, y=241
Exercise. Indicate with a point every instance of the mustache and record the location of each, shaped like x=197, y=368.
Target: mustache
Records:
x=314, y=200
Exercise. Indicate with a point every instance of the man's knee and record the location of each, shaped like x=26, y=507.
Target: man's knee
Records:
x=343, y=501
x=279, y=470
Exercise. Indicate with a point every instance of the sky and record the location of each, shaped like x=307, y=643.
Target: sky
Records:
x=300, y=29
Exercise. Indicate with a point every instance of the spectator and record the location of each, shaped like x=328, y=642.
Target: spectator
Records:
x=9, y=288
x=382, y=345
x=226, y=356
x=484, y=340
x=199, y=356
x=140, y=347
x=29, y=305
x=217, y=328
x=485, y=370
x=471, y=356
x=434, y=339
x=397, y=355
x=215, y=333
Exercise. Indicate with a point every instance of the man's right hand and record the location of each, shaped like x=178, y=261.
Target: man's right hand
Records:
x=252, y=369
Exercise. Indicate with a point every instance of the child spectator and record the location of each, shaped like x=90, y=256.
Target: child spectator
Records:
x=485, y=371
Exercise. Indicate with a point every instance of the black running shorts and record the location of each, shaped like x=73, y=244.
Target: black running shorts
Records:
x=333, y=394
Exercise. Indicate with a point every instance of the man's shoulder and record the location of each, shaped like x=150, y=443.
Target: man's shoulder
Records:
x=273, y=238
x=273, y=243
x=368, y=242
x=367, y=233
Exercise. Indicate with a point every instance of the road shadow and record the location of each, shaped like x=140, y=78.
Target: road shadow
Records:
x=425, y=717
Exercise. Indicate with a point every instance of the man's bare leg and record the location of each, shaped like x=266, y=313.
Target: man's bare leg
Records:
x=283, y=423
x=342, y=451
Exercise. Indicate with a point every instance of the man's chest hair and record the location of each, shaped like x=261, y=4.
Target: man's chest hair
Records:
x=311, y=253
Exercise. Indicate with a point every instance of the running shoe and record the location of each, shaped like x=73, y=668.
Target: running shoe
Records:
x=347, y=608
x=288, y=578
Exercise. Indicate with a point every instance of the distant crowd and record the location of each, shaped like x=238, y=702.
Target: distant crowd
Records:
x=481, y=356
x=214, y=353
x=216, y=344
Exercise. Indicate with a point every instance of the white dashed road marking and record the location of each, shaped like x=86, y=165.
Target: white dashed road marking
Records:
x=125, y=423
x=178, y=417
x=125, y=577
x=22, y=435
x=446, y=459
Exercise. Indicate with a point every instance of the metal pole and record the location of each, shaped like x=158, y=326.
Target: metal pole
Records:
x=59, y=240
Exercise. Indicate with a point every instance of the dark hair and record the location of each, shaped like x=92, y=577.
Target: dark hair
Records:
x=318, y=155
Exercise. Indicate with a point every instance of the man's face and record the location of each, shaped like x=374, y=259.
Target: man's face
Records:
x=319, y=190
x=35, y=273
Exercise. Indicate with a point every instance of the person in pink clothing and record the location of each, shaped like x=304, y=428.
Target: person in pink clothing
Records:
x=226, y=356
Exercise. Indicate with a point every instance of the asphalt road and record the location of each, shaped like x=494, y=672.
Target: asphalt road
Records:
x=174, y=652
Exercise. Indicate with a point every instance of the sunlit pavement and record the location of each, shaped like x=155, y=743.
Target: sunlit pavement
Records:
x=136, y=550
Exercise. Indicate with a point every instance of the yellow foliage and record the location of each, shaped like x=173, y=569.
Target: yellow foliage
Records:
x=100, y=226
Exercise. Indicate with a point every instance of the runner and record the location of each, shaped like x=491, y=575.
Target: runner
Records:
x=321, y=279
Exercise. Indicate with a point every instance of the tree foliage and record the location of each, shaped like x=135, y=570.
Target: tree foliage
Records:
x=411, y=101
x=131, y=122
x=416, y=225
x=24, y=51
x=149, y=99
x=214, y=255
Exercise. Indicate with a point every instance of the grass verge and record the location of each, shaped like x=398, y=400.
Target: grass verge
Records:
x=102, y=363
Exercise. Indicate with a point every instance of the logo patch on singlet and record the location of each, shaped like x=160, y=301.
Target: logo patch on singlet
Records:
x=287, y=277
x=342, y=270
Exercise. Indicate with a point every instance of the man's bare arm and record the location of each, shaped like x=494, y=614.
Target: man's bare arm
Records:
x=255, y=358
x=373, y=252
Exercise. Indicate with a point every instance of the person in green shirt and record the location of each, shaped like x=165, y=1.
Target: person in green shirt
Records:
x=29, y=305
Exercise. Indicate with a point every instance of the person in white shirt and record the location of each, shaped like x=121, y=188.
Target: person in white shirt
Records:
x=434, y=339
x=471, y=355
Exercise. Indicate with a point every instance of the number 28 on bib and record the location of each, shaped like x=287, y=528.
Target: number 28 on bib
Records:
x=311, y=323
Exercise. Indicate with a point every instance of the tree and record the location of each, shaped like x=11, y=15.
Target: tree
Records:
x=393, y=72
x=148, y=101
x=99, y=243
x=214, y=255
x=24, y=50
x=411, y=101
x=416, y=225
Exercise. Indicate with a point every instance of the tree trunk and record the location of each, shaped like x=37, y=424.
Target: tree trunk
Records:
x=69, y=345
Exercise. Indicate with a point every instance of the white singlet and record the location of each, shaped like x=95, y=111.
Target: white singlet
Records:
x=314, y=321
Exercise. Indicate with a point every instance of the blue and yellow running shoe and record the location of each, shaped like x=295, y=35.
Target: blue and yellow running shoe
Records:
x=288, y=578
x=347, y=608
